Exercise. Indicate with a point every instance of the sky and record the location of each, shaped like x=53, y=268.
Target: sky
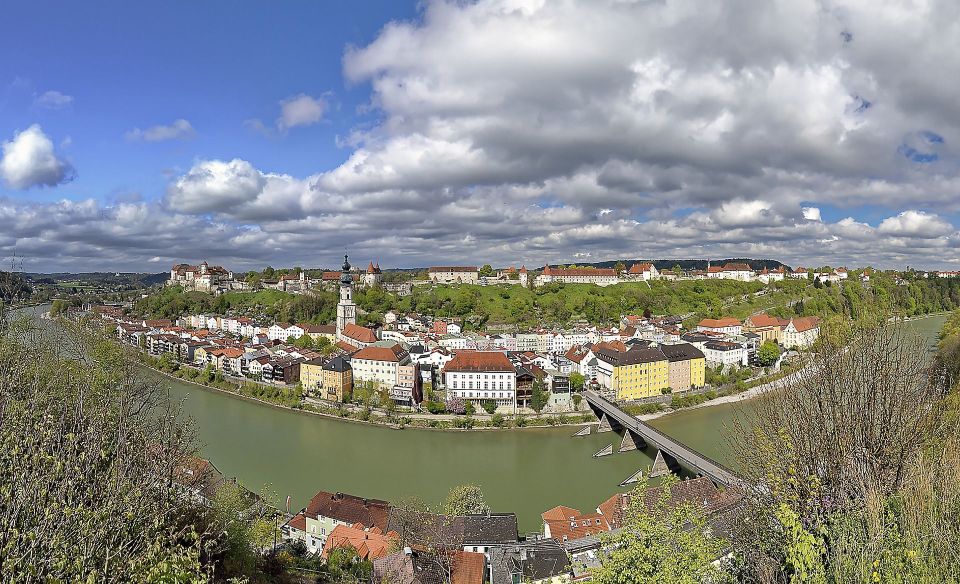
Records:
x=138, y=135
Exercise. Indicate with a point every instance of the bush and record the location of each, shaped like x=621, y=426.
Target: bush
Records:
x=497, y=420
x=519, y=421
x=489, y=405
x=435, y=407
x=642, y=409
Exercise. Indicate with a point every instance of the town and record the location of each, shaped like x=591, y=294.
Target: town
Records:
x=412, y=358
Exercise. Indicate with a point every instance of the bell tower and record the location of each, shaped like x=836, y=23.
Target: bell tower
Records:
x=346, y=309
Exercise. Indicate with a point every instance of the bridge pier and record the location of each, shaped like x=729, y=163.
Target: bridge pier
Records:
x=632, y=441
x=664, y=464
x=605, y=451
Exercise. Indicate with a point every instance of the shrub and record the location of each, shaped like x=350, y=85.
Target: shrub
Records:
x=489, y=405
x=497, y=420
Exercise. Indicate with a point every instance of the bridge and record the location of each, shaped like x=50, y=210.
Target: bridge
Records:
x=672, y=456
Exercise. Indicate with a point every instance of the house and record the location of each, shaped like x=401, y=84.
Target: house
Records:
x=566, y=523
x=737, y=271
x=638, y=373
x=337, y=381
x=686, y=366
x=801, y=332
x=454, y=274
x=724, y=353
x=480, y=533
x=415, y=566
x=357, y=336
x=311, y=374
x=379, y=365
x=370, y=543
x=480, y=375
x=537, y=562
x=768, y=328
x=726, y=325
x=775, y=275
x=643, y=272
x=279, y=332
x=527, y=375
x=325, y=511
x=597, y=276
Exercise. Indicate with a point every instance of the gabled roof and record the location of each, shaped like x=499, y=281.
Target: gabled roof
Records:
x=737, y=267
x=359, y=333
x=337, y=364
x=640, y=268
x=350, y=509
x=394, y=354
x=803, y=324
x=765, y=320
x=681, y=352
x=489, y=528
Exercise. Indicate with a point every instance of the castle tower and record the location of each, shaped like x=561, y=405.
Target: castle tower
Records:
x=346, y=309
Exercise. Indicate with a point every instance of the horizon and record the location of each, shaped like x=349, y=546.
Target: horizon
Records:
x=517, y=131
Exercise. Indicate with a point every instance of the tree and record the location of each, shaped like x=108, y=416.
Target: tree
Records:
x=489, y=405
x=486, y=271
x=465, y=500
x=620, y=267
x=576, y=381
x=768, y=353
x=839, y=461
x=304, y=342
x=539, y=396
x=663, y=543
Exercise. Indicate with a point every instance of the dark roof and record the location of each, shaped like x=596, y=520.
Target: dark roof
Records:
x=493, y=528
x=338, y=364
x=534, y=560
x=350, y=509
x=634, y=356
x=721, y=345
x=681, y=352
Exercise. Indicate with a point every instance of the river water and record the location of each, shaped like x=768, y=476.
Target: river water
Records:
x=525, y=471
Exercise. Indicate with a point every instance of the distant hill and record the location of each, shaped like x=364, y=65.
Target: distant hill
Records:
x=104, y=278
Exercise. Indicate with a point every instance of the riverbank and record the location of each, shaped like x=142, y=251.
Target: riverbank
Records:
x=400, y=420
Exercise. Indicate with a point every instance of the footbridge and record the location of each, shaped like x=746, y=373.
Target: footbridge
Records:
x=672, y=456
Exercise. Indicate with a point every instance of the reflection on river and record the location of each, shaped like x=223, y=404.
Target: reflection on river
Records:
x=526, y=471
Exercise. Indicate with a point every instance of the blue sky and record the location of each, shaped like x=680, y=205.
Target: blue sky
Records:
x=505, y=131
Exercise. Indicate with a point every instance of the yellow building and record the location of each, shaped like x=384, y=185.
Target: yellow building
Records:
x=311, y=375
x=635, y=374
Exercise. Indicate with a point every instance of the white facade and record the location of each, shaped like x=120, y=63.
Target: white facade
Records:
x=455, y=275
x=727, y=356
x=500, y=386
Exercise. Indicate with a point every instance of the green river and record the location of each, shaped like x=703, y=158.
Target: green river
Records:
x=525, y=471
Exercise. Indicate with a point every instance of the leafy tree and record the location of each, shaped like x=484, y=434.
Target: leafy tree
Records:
x=469, y=409
x=768, y=353
x=663, y=543
x=486, y=270
x=465, y=500
x=576, y=381
x=577, y=398
x=620, y=267
x=489, y=405
x=304, y=342
x=539, y=396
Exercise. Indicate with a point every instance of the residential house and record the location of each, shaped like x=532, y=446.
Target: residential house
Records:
x=279, y=332
x=311, y=375
x=801, y=332
x=726, y=325
x=379, y=365
x=415, y=566
x=537, y=562
x=768, y=328
x=370, y=543
x=337, y=379
x=725, y=353
x=566, y=523
x=325, y=511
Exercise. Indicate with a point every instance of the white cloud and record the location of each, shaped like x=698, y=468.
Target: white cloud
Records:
x=916, y=224
x=215, y=185
x=53, y=99
x=179, y=130
x=300, y=110
x=811, y=213
x=29, y=160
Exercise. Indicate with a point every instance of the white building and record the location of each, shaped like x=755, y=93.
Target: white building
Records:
x=726, y=325
x=454, y=274
x=725, y=353
x=801, y=332
x=379, y=364
x=644, y=272
x=597, y=276
x=481, y=375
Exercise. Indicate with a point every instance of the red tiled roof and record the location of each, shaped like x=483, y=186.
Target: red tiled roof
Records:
x=765, y=320
x=559, y=512
x=393, y=354
x=359, y=333
x=452, y=269
x=467, y=568
x=479, y=361
x=640, y=268
x=369, y=543
x=805, y=323
x=346, y=347
x=350, y=509
x=720, y=322
x=731, y=267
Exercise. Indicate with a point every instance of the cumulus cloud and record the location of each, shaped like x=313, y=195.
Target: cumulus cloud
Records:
x=29, y=160
x=916, y=224
x=53, y=99
x=179, y=130
x=215, y=185
x=300, y=110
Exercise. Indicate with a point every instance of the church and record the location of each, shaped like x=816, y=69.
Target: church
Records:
x=347, y=329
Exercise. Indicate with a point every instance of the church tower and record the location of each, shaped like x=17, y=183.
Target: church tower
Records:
x=346, y=309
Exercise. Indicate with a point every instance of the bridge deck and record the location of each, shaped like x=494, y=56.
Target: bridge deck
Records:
x=686, y=456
